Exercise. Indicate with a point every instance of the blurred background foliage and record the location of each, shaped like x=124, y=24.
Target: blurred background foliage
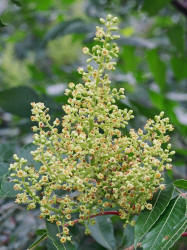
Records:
x=40, y=50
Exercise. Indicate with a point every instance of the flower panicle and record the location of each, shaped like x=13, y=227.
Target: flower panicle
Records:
x=87, y=165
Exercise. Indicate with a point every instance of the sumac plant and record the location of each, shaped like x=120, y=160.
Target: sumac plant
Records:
x=88, y=168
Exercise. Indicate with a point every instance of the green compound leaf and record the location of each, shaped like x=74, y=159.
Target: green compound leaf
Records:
x=181, y=184
x=103, y=232
x=168, y=228
x=148, y=218
x=52, y=231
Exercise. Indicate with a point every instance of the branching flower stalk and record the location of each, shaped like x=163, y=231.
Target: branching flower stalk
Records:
x=89, y=166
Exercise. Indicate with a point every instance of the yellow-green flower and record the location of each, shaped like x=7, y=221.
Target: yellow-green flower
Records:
x=87, y=165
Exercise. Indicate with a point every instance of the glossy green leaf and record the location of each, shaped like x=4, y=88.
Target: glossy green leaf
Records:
x=176, y=35
x=157, y=67
x=50, y=245
x=181, y=151
x=67, y=1
x=16, y=2
x=130, y=59
x=181, y=184
x=168, y=228
x=167, y=105
x=153, y=7
x=148, y=218
x=179, y=66
x=40, y=232
x=3, y=170
x=37, y=74
x=44, y=5
x=37, y=241
x=128, y=236
x=77, y=26
x=6, y=151
x=52, y=230
x=157, y=99
x=21, y=98
x=25, y=153
x=103, y=232
x=2, y=24
x=6, y=189
x=142, y=109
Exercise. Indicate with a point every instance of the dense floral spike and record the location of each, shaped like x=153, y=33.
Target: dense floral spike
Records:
x=89, y=166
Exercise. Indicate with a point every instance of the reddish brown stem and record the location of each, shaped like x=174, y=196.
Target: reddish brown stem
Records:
x=184, y=234
x=98, y=214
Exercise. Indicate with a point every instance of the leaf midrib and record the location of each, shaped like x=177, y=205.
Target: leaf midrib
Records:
x=165, y=222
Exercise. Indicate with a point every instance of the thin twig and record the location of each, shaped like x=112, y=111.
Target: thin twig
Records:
x=182, y=7
x=95, y=215
x=129, y=248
